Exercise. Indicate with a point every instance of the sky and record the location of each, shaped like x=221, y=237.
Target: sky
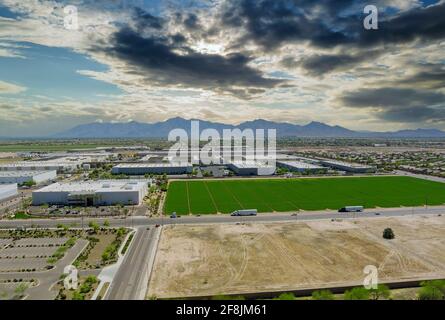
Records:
x=228, y=61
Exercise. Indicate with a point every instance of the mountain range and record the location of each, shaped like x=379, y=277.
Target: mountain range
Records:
x=135, y=129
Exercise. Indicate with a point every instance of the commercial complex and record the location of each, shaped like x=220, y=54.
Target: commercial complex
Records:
x=21, y=177
x=8, y=191
x=347, y=166
x=245, y=168
x=41, y=166
x=300, y=166
x=93, y=193
x=152, y=168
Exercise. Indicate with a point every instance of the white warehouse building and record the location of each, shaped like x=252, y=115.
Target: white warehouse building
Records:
x=92, y=193
x=8, y=191
x=300, y=166
x=251, y=168
x=21, y=177
x=41, y=166
x=348, y=166
x=152, y=168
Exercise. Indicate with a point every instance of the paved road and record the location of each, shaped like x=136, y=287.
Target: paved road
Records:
x=130, y=282
x=266, y=217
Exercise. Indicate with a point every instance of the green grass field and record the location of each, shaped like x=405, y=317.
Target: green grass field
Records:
x=267, y=195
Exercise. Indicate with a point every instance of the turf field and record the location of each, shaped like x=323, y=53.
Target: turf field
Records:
x=267, y=195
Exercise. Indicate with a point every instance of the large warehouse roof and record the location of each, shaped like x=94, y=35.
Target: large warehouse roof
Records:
x=300, y=165
x=13, y=174
x=152, y=165
x=94, y=186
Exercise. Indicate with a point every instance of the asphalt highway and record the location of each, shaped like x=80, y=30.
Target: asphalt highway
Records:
x=132, y=277
x=221, y=218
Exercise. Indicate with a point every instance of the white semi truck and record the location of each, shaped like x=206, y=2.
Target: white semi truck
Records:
x=249, y=212
x=351, y=209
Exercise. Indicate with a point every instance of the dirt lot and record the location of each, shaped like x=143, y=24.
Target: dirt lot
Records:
x=223, y=259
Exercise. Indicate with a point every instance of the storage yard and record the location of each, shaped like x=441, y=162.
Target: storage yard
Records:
x=286, y=195
x=207, y=260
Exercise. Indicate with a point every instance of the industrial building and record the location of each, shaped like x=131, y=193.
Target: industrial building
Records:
x=8, y=191
x=21, y=177
x=347, y=166
x=152, y=168
x=92, y=193
x=41, y=166
x=300, y=166
x=253, y=168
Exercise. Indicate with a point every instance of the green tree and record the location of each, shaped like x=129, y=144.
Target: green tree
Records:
x=358, y=293
x=432, y=290
x=430, y=293
x=388, y=234
x=106, y=223
x=322, y=295
x=78, y=296
x=286, y=296
x=382, y=291
x=93, y=225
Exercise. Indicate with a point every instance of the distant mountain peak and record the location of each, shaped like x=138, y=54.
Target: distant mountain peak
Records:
x=134, y=129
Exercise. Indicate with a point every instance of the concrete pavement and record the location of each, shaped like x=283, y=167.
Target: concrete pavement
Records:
x=131, y=280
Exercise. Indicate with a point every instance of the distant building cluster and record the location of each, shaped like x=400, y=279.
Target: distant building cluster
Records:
x=152, y=168
x=22, y=177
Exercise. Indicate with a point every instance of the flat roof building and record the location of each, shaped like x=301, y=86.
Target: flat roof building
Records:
x=152, y=168
x=300, y=166
x=92, y=193
x=7, y=191
x=41, y=166
x=21, y=177
x=244, y=168
x=348, y=166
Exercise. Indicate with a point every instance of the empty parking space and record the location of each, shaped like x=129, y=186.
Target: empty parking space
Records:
x=11, y=265
x=27, y=252
x=40, y=241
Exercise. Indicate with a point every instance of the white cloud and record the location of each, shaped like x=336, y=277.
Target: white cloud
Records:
x=10, y=88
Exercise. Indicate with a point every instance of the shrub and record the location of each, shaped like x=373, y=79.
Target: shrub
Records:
x=322, y=295
x=388, y=234
x=358, y=293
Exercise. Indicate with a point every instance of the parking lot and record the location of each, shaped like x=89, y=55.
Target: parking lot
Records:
x=28, y=254
x=40, y=242
x=8, y=290
x=23, y=264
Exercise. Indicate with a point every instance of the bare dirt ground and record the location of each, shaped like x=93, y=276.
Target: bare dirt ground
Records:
x=194, y=260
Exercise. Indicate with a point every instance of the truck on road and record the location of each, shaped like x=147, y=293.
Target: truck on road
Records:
x=249, y=212
x=351, y=209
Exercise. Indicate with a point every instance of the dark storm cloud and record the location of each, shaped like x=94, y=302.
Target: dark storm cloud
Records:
x=399, y=104
x=318, y=65
x=272, y=23
x=425, y=24
x=326, y=24
x=392, y=97
x=413, y=114
x=162, y=62
x=191, y=22
x=431, y=76
x=145, y=20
